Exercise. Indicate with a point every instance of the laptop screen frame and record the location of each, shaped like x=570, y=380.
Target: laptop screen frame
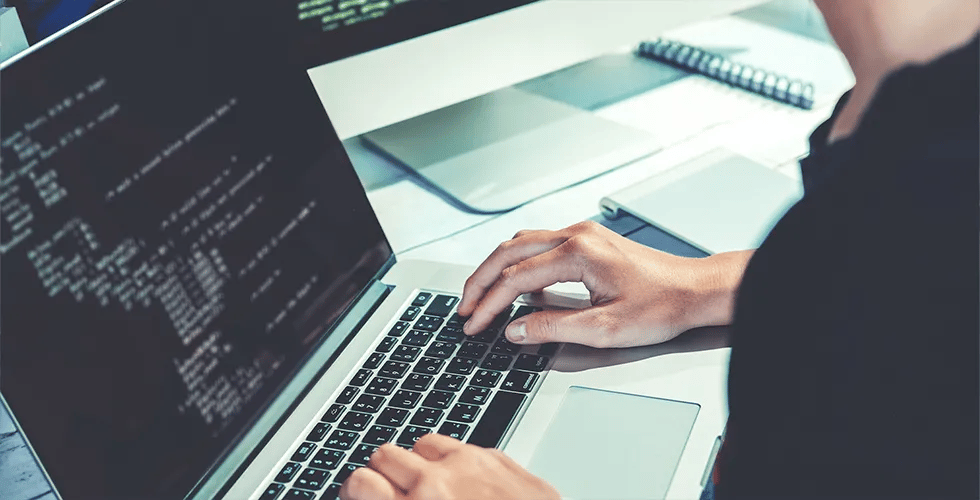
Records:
x=229, y=464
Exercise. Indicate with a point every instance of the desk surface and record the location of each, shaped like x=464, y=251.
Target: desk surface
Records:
x=772, y=134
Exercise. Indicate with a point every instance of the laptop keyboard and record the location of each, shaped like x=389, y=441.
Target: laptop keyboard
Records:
x=424, y=376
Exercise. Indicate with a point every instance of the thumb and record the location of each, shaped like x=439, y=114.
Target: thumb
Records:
x=579, y=326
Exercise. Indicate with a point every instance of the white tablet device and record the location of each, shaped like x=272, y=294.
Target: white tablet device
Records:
x=718, y=202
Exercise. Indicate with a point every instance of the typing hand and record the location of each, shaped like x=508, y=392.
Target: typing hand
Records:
x=639, y=295
x=442, y=468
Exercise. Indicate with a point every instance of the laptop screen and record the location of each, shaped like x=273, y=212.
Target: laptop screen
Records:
x=179, y=224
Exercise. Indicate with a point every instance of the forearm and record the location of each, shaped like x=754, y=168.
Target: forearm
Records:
x=717, y=282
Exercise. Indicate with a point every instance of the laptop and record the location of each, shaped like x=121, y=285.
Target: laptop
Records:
x=199, y=302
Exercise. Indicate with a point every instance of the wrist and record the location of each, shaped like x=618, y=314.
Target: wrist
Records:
x=714, y=285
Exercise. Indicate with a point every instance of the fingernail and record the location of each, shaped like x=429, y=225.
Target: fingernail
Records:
x=466, y=326
x=517, y=332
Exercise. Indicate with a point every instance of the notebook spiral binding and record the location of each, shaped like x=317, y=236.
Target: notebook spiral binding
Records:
x=766, y=83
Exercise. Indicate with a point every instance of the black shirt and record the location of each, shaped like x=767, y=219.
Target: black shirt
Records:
x=854, y=367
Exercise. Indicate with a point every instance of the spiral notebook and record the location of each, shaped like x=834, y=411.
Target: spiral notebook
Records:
x=765, y=83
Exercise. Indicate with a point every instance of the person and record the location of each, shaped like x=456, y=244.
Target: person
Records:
x=854, y=325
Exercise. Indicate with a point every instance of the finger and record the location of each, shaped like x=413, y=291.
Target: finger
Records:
x=592, y=326
x=400, y=466
x=505, y=255
x=436, y=446
x=528, y=275
x=367, y=484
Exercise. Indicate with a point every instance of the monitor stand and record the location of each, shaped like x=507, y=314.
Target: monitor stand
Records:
x=495, y=152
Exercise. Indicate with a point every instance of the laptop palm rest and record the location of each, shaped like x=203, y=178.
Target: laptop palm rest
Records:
x=613, y=446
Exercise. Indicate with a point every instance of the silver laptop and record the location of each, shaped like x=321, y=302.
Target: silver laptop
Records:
x=198, y=301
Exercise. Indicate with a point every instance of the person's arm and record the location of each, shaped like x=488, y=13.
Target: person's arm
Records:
x=639, y=295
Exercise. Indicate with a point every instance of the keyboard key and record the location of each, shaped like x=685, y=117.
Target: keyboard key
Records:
x=454, y=430
x=462, y=366
x=439, y=349
x=417, y=382
x=421, y=299
x=426, y=417
x=456, y=321
x=417, y=338
x=272, y=492
x=474, y=350
x=393, y=417
x=411, y=434
x=486, y=336
x=441, y=305
x=374, y=360
x=312, y=479
x=368, y=404
x=381, y=386
x=428, y=366
x=498, y=362
x=303, y=452
x=361, y=377
x=406, y=353
x=524, y=311
x=348, y=394
x=393, y=369
x=464, y=413
x=411, y=313
x=362, y=453
x=548, y=349
x=504, y=346
x=327, y=459
x=354, y=421
x=333, y=413
x=295, y=494
x=438, y=399
x=428, y=323
x=451, y=334
x=341, y=440
x=485, y=378
x=399, y=329
x=405, y=399
x=475, y=395
x=531, y=363
x=496, y=419
x=449, y=382
x=287, y=472
x=332, y=492
x=519, y=381
x=345, y=472
x=379, y=435
x=387, y=344
x=319, y=431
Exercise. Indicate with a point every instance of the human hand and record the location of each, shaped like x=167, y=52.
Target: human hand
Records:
x=639, y=295
x=443, y=468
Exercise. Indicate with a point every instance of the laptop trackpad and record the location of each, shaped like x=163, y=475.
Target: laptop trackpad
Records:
x=610, y=445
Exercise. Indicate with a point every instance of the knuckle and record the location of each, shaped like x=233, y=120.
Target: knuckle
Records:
x=586, y=226
x=521, y=233
x=509, y=275
x=578, y=244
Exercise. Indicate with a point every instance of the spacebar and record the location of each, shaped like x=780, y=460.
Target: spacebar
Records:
x=496, y=418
